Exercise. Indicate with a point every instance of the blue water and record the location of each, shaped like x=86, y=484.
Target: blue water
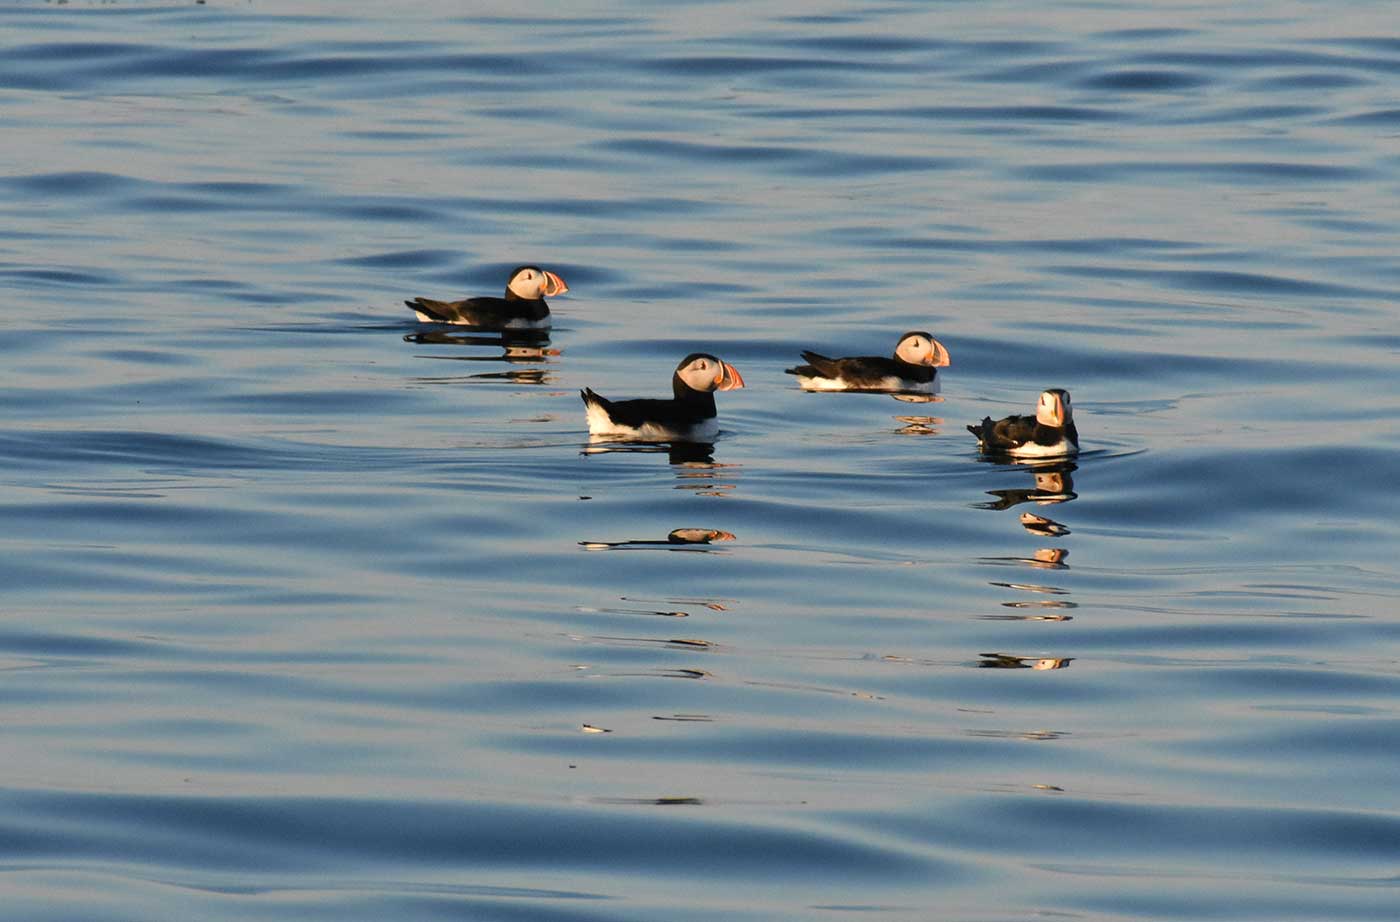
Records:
x=312, y=611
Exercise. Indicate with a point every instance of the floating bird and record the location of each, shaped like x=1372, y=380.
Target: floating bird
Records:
x=1049, y=433
x=689, y=416
x=914, y=367
x=523, y=307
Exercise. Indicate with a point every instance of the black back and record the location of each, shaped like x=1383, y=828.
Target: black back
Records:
x=864, y=370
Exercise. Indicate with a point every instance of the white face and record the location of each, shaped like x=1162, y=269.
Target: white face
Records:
x=533, y=284
x=918, y=349
x=1053, y=409
x=707, y=373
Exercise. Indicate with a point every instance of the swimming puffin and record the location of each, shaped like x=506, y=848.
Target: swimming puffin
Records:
x=1049, y=433
x=523, y=307
x=689, y=416
x=914, y=367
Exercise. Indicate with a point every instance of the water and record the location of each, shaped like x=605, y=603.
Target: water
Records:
x=312, y=611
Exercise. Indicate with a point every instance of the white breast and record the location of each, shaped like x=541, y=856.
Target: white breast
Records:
x=887, y=383
x=600, y=424
x=1036, y=450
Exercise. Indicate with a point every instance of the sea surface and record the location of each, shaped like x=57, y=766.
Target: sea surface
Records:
x=309, y=610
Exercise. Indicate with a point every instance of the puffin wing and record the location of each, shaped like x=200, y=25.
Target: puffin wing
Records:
x=818, y=366
x=868, y=371
x=1004, y=434
x=482, y=312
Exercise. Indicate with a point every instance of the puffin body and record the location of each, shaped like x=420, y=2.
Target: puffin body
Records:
x=689, y=416
x=914, y=367
x=1049, y=433
x=523, y=307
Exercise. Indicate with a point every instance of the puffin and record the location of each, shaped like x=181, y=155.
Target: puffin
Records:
x=689, y=416
x=523, y=307
x=1050, y=433
x=914, y=367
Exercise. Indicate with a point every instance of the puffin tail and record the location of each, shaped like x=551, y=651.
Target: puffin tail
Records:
x=982, y=429
x=597, y=410
x=820, y=366
x=425, y=309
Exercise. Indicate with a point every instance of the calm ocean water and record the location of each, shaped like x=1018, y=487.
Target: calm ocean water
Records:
x=312, y=611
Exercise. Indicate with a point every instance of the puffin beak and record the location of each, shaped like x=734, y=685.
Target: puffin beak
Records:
x=729, y=378
x=554, y=285
x=940, y=355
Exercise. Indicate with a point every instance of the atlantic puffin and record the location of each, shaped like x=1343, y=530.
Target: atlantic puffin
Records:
x=689, y=416
x=523, y=307
x=1049, y=433
x=914, y=367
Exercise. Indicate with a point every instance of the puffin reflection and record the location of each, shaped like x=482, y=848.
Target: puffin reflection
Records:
x=517, y=348
x=1054, y=483
x=1007, y=661
x=1041, y=617
x=698, y=453
x=918, y=425
x=1050, y=558
x=680, y=539
x=693, y=462
x=1040, y=525
x=505, y=339
x=703, y=477
x=1042, y=603
x=1044, y=558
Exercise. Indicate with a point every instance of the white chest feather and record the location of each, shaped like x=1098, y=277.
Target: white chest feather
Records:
x=600, y=424
x=887, y=383
x=1036, y=450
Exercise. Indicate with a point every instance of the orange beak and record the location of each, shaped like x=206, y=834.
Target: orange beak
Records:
x=554, y=285
x=940, y=355
x=729, y=378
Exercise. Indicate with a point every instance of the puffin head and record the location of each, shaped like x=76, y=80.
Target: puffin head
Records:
x=919, y=348
x=533, y=283
x=1053, y=408
x=702, y=372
